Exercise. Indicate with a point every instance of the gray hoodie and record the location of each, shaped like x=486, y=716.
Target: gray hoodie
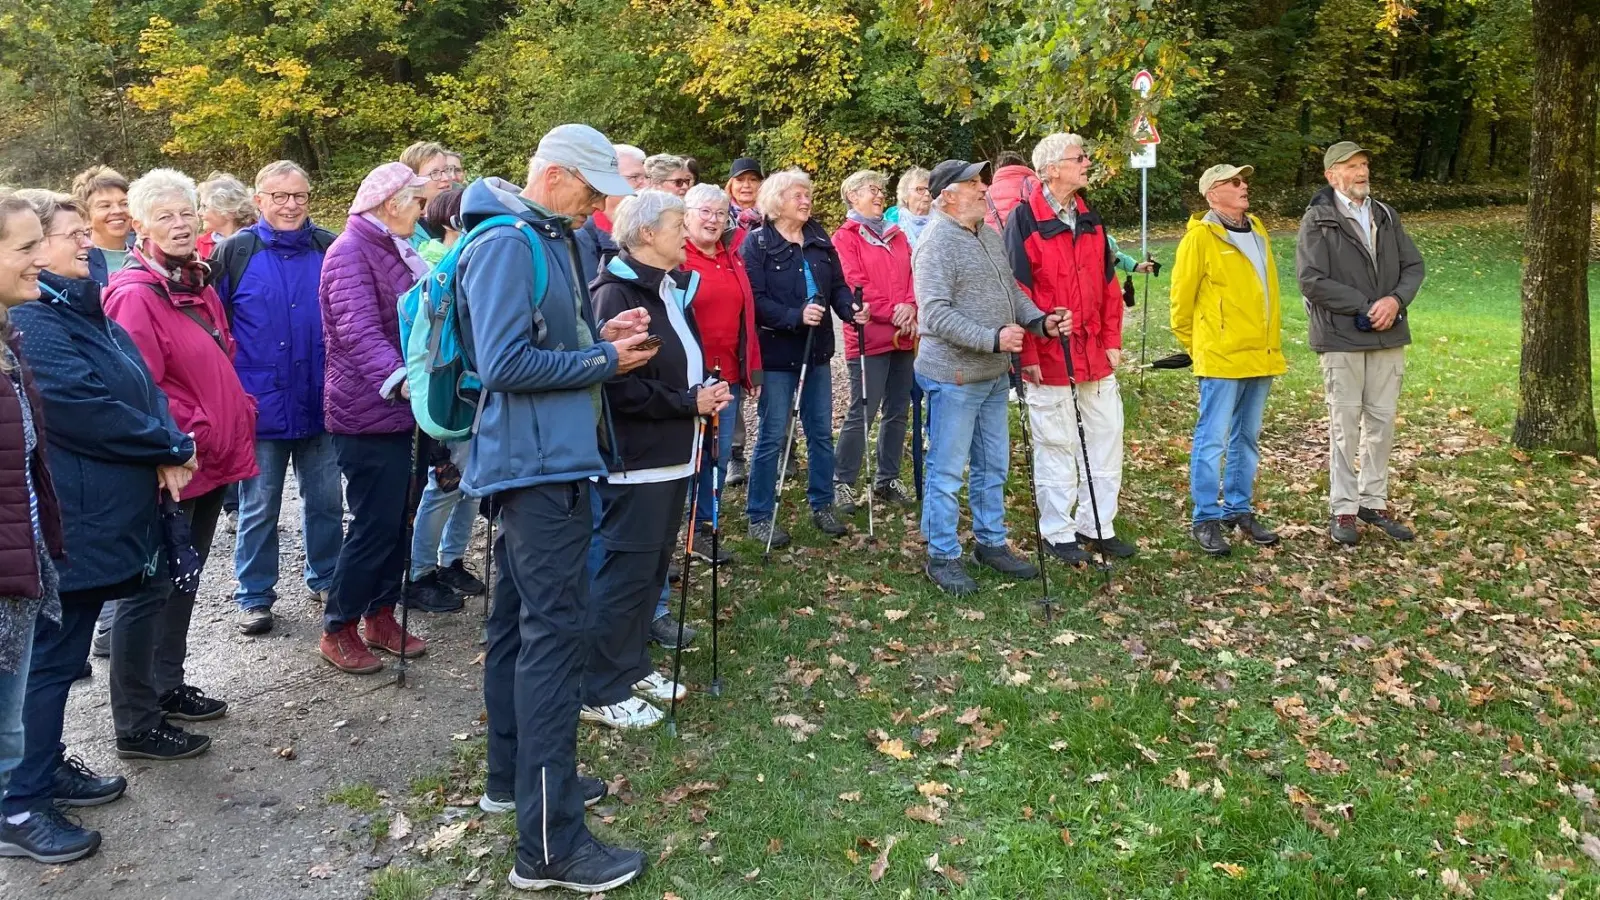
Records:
x=965, y=295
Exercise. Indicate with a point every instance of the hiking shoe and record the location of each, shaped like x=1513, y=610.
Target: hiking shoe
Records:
x=383, y=633
x=1208, y=535
x=494, y=804
x=1253, y=529
x=793, y=470
x=845, y=499
x=187, y=703
x=77, y=785
x=656, y=686
x=1114, y=547
x=429, y=594
x=1343, y=529
x=630, y=714
x=345, y=650
x=1069, y=552
x=593, y=791
x=664, y=631
x=86, y=672
x=827, y=522
x=164, y=742
x=101, y=645
x=761, y=532
x=458, y=578
x=702, y=546
x=592, y=867
x=950, y=576
x=674, y=573
x=255, y=621
x=893, y=492
x=1390, y=527
x=47, y=836
x=737, y=473
x=1002, y=560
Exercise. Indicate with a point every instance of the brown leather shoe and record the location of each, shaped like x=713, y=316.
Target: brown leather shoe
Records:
x=345, y=651
x=383, y=633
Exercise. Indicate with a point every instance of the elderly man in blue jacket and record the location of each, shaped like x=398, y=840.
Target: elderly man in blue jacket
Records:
x=542, y=359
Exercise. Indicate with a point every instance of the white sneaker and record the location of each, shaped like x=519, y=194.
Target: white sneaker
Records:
x=632, y=713
x=656, y=686
x=490, y=805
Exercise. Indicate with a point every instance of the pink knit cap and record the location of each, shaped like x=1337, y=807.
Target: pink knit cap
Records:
x=382, y=183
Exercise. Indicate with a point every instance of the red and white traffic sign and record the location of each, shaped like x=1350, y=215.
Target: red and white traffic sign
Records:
x=1144, y=131
x=1143, y=82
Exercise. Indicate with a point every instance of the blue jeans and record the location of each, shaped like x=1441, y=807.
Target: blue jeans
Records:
x=13, y=688
x=727, y=425
x=597, y=554
x=1230, y=416
x=443, y=525
x=967, y=425
x=816, y=416
x=58, y=655
x=255, y=552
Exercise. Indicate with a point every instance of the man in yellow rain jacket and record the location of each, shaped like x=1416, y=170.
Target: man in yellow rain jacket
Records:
x=1225, y=313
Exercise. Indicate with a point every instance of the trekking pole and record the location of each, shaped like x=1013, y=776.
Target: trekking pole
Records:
x=794, y=417
x=488, y=557
x=408, y=531
x=1083, y=444
x=866, y=418
x=916, y=438
x=1045, y=603
x=683, y=582
x=716, y=538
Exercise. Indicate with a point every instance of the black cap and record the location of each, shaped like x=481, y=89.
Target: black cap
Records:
x=745, y=164
x=952, y=171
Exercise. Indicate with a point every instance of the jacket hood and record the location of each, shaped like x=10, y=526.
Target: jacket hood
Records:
x=1012, y=174
x=489, y=197
x=296, y=239
x=82, y=295
x=890, y=232
x=624, y=269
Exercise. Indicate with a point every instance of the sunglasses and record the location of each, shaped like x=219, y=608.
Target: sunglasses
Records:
x=595, y=196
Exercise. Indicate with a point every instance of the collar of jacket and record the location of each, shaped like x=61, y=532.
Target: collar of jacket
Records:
x=139, y=273
x=81, y=295
x=812, y=234
x=885, y=240
x=1325, y=205
x=1050, y=224
x=681, y=284
x=1201, y=220
x=296, y=240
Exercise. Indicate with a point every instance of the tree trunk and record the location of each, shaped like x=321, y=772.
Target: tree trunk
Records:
x=1555, y=405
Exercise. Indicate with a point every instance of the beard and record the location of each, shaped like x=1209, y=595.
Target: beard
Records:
x=1358, y=192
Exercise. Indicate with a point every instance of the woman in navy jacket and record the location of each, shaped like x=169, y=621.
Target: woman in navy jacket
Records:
x=797, y=279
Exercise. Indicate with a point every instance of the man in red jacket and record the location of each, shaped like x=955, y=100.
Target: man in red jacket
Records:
x=1059, y=254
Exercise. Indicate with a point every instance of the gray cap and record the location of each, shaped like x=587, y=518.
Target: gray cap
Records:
x=590, y=152
x=952, y=171
x=1342, y=151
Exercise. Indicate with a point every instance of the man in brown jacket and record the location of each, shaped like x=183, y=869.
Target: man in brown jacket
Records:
x=1359, y=272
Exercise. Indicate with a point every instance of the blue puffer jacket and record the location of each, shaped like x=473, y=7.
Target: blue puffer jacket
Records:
x=267, y=280
x=108, y=431
x=778, y=280
x=541, y=397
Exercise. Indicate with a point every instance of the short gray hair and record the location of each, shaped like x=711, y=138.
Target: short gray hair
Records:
x=706, y=194
x=1048, y=151
x=908, y=183
x=278, y=169
x=156, y=186
x=859, y=180
x=640, y=211
x=227, y=195
x=660, y=167
x=630, y=151
x=770, y=198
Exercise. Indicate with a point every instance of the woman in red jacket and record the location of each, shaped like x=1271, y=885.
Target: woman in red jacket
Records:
x=163, y=301
x=877, y=261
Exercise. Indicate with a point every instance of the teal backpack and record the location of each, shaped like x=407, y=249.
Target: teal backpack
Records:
x=446, y=393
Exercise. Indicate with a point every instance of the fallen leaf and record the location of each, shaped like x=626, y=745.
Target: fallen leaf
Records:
x=1178, y=779
x=851, y=797
x=460, y=736
x=895, y=748
x=881, y=864
x=1232, y=870
x=446, y=837
x=969, y=715
x=321, y=870
x=1066, y=837
x=1454, y=883
x=895, y=615
x=924, y=814
x=1066, y=638
x=399, y=827
x=753, y=874
x=933, y=789
x=800, y=730
x=971, y=615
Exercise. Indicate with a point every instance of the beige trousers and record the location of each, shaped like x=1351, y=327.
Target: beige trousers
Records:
x=1362, y=390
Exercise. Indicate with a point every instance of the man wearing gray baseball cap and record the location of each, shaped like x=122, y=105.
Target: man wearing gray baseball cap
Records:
x=529, y=332
x=1359, y=272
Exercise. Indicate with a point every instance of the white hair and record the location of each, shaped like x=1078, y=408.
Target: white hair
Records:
x=536, y=166
x=158, y=186
x=770, y=198
x=405, y=195
x=630, y=151
x=706, y=195
x=227, y=195
x=1050, y=149
x=640, y=211
x=858, y=180
x=662, y=166
x=908, y=183
x=276, y=169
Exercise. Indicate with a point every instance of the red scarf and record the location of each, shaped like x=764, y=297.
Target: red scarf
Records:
x=186, y=275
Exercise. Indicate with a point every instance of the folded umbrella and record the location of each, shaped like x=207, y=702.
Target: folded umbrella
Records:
x=183, y=563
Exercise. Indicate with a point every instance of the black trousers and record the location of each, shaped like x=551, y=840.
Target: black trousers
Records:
x=377, y=470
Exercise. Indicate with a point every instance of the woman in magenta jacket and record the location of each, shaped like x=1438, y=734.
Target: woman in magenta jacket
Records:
x=876, y=257
x=365, y=408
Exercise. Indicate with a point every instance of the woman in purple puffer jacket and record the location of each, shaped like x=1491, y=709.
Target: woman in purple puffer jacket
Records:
x=365, y=408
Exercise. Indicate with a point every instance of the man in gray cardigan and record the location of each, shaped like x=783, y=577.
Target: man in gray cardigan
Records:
x=971, y=316
x=1359, y=272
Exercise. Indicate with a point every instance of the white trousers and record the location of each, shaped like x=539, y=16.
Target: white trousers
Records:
x=1065, y=509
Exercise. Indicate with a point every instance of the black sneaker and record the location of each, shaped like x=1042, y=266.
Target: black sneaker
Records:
x=950, y=576
x=457, y=578
x=702, y=546
x=163, y=743
x=1113, y=546
x=827, y=522
x=593, y=790
x=893, y=492
x=1208, y=535
x=592, y=867
x=761, y=532
x=428, y=594
x=674, y=573
x=77, y=785
x=664, y=631
x=737, y=473
x=48, y=837
x=845, y=499
x=1069, y=552
x=189, y=704
x=1390, y=527
x=1343, y=530
x=86, y=672
x=1253, y=529
x=1002, y=560
x=254, y=621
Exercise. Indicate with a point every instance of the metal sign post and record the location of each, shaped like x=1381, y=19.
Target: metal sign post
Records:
x=1144, y=131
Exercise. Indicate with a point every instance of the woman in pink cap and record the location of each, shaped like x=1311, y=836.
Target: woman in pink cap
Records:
x=365, y=408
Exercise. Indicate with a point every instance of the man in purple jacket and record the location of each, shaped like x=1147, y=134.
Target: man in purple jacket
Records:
x=267, y=277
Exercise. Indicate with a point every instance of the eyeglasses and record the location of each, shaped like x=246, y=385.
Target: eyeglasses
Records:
x=595, y=196
x=636, y=179
x=1074, y=159
x=1236, y=181
x=283, y=198
x=921, y=190
x=449, y=173
x=685, y=182
x=77, y=236
x=710, y=214
x=873, y=190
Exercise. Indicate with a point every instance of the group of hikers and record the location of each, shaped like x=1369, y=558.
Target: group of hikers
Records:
x=171, y=348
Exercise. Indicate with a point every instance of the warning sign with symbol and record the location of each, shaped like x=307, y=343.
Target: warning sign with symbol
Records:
x=1144, y=131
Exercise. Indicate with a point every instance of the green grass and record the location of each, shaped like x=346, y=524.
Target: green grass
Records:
x=1305, y=722
x=359, y=797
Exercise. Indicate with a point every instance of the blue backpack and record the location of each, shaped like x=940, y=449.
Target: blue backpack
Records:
x=446, y=393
